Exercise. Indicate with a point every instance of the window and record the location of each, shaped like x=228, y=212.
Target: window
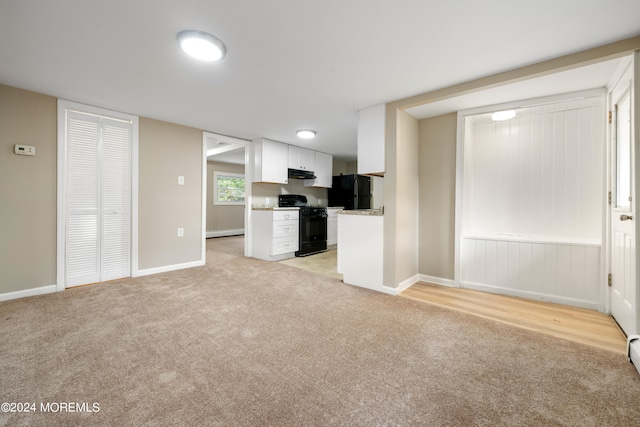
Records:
x=228, y=188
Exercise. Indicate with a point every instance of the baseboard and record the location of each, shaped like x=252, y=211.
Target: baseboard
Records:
x=633, y=350
x=575, y=302
x=167, y=268
x=225, y=233
x=401, y=287
x=437, y=281
x=28, y=292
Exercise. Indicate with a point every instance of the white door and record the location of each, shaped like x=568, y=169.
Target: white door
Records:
x=97, y=198
x=623, y=218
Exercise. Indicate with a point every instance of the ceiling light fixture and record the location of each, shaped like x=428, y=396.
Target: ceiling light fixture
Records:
x=306, y=133
x=499, y=116
x=201, y=45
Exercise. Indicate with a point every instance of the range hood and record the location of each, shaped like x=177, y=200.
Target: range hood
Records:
x=301, y=174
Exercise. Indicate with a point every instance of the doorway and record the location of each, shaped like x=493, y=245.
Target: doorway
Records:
x=225, y=200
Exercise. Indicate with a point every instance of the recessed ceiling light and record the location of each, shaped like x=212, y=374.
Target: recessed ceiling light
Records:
x=503, y=115
x=201, y=45
x=306, y=133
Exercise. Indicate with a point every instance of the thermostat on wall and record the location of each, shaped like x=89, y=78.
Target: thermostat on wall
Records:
x=25, y=150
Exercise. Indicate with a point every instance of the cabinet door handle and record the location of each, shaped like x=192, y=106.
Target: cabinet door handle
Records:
x=286, y=229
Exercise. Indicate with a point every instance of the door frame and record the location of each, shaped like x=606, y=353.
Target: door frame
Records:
x=229, y=143
x=63, y=106
x=634, y=61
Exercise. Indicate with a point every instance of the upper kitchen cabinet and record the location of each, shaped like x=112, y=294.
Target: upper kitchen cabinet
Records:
x=270, y=161
x=371, y=128
x=301, y=158
x=323, y=171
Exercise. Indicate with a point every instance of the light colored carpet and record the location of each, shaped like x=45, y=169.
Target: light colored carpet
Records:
x=247, y=342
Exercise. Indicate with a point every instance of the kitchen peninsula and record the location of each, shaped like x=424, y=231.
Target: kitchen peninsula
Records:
x=360, y=247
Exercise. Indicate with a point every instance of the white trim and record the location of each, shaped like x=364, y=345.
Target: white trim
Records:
x=225, y=233
x=406, y=284
x=229, y=143
x=63, y=106
x=29, y=292
x=575, y=302
x=457, y=244
x=249, y=174
x=167, y=268
x=523, y=238
x=438, y=281
x=236, y=143
x=633, y=350
x=532, y=102
x=203, y=213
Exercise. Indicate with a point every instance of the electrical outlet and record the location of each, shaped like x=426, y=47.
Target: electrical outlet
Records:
x=180, y=180
x=266, y=201
x=180, y=232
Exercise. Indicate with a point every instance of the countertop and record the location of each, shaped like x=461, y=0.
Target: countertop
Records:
x=274, y=208
x=367, y=212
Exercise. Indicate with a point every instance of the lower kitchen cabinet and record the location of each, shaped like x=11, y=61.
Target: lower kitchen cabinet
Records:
x=332, y=227
x=360, y=250
x=275, y=234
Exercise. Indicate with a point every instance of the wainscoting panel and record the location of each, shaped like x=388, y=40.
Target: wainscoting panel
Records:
x=566, y=273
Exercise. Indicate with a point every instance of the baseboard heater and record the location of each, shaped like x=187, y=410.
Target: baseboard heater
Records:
x=633, y=350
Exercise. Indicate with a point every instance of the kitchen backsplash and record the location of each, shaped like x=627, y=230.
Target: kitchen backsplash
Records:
x=262, y=191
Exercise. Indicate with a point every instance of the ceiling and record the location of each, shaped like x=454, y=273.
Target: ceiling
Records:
x=290, y=64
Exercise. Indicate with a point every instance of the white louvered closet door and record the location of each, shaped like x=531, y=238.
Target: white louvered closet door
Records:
x=98, y=199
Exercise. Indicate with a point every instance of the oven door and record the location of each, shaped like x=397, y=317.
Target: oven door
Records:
x=313, y=234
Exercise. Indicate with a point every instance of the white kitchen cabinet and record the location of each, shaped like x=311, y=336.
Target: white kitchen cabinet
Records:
x=332, y=227
x=275, y=234
x=301, y=158
x=323, y=171
x=361, y=250
x=371, y=140
x=270, y=161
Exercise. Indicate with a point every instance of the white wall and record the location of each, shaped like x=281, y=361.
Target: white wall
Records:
x=532, y=203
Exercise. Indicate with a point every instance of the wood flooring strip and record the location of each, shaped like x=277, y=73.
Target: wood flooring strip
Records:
x=572, y=323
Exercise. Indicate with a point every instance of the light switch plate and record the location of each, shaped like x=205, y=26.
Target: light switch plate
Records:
x=25, y=150
x=180, y=180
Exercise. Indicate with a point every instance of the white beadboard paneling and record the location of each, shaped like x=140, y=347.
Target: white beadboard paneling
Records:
x=537, y=174
x=565, y=273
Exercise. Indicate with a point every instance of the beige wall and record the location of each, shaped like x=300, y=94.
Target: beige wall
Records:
x=400, y=199
x=27, y=190
x=166, y=151
x=437, y=177
x=339, y=167
x=221, y=217
x=407, y=197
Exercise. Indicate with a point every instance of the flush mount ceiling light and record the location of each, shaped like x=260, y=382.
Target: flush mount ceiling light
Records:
x=503, y=115
x=306, y=133
x=201, y=45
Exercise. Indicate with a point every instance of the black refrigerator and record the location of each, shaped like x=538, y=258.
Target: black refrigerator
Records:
x=351, y=192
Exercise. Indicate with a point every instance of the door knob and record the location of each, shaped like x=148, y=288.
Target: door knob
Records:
x=625, y=218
